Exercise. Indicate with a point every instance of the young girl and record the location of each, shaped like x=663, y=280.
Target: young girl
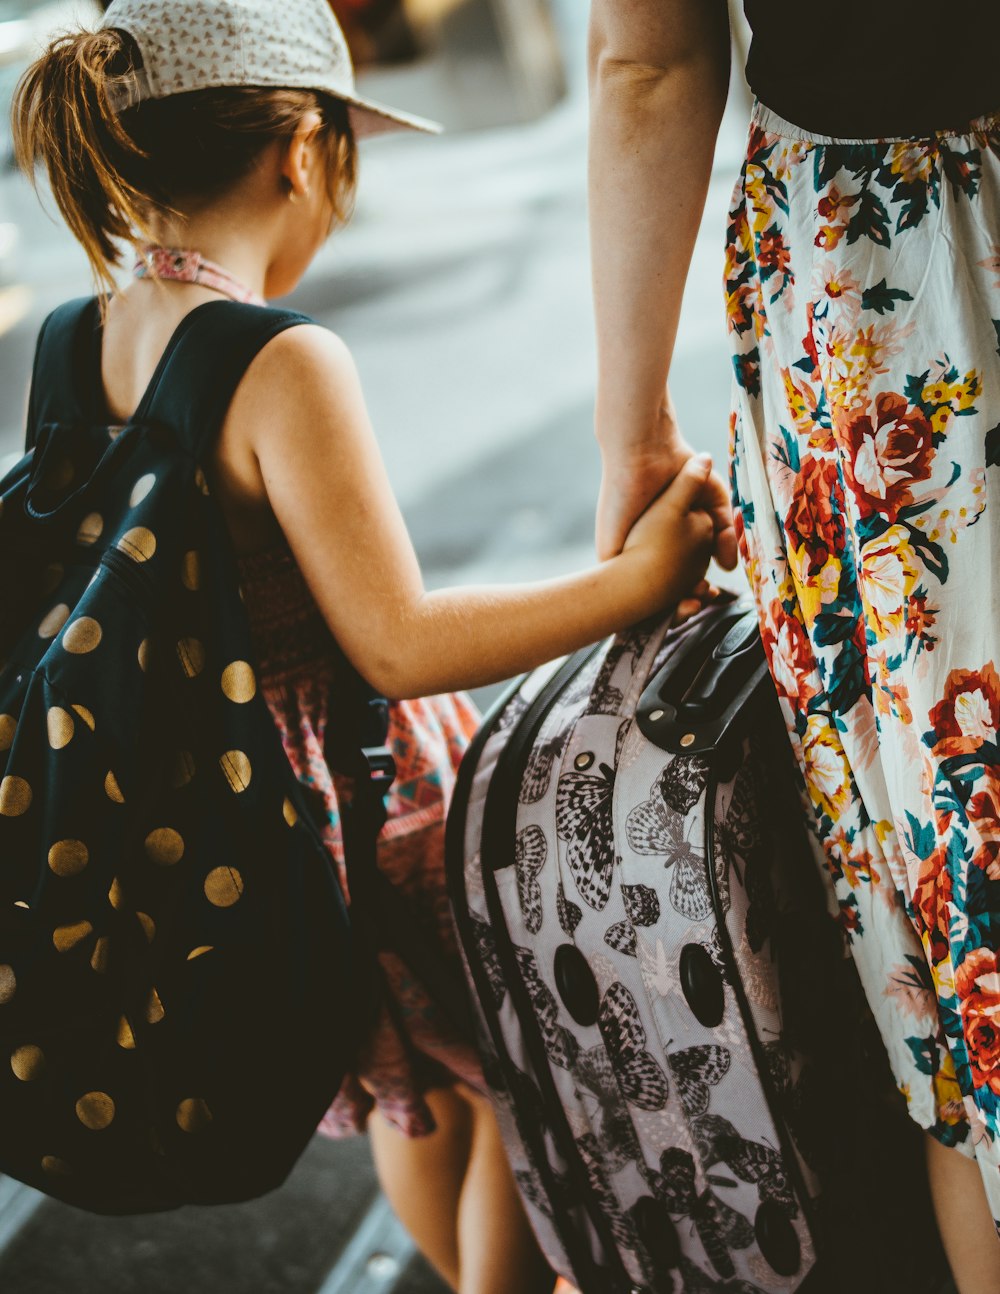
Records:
x=222, y=145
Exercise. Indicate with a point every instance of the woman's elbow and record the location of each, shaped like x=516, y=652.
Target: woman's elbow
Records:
x=624, y=52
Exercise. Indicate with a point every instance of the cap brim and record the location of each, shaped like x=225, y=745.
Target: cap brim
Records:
x=369, y=118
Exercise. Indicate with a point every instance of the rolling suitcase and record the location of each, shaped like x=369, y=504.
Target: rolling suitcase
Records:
x=686, y=1074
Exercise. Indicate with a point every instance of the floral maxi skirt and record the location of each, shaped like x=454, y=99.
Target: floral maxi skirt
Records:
x=863, y=295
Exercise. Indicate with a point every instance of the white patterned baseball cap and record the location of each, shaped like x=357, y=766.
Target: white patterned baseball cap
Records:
x=204, y=44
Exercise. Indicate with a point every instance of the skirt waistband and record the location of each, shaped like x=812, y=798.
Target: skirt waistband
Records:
x=772, y=124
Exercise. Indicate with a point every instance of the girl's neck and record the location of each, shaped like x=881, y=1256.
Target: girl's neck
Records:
x=238, y=253
x=187, y=265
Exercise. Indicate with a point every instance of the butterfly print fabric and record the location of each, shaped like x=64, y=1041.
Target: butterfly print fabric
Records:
x=641, y=1079
x=642, y=908
x=583, y=815
x=658, y=826
x=638, y=888
x=530, y=853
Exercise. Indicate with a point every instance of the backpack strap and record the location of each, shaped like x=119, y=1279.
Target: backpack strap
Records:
x=191, y=393
x=204, y=363
x=194, y=382
x=68, y=342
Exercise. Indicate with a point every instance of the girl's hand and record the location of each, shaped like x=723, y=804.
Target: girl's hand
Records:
x=696, y=601
x=673, y=539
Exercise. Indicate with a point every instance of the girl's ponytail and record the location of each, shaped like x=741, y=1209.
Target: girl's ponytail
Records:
x=64, y=116
x=113, y=171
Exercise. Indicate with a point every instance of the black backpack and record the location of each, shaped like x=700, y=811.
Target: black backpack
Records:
x=181, y=986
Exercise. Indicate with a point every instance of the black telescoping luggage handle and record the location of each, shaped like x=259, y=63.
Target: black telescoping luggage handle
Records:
x=382, y=916
x=690, y=704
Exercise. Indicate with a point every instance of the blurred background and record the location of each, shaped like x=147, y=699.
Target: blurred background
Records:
x=462, y=288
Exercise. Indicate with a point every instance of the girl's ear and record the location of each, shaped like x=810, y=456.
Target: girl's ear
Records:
x=300, y=162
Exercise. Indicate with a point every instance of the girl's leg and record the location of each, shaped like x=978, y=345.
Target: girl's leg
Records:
x=497, y=1249
x=423, y=1177
x=454, y=1193
x=963, y=1215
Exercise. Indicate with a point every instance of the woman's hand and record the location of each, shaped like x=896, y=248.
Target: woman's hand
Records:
x=670, y=545
x=632, y=478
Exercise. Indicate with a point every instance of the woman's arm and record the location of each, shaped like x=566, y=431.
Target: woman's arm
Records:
x=659, y=72
x=301, y=413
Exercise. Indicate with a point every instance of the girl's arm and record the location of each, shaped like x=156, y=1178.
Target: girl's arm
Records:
x=659, y=72
x=301, y=411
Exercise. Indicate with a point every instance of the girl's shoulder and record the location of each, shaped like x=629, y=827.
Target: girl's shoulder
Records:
x=306, y=353
x=304, y=377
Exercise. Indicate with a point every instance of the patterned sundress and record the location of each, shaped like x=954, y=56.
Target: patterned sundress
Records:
x=413, y=1047
x=863, y=291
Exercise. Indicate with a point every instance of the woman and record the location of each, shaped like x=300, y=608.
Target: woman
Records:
x=863, y=291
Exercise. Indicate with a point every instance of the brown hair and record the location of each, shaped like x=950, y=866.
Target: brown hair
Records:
x=110, y=171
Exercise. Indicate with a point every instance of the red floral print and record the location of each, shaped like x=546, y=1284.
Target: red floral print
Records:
x=969, y=713
x=888, y=450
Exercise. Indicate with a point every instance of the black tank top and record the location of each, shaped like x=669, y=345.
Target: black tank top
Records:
x=870, y=68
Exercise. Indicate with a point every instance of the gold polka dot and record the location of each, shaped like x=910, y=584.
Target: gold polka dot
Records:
x=154, y=1007
x=236, y=767
x=112, y=790
x=141, y=488
x=139, y=544
x=56, y=1167
x=192, y=656
x=90, y=529
x=20, y=903
x=290, y=814
x=200, y=951
x=60, y=725
x=183, y=771
x=54, y=621
x=15, y=797
x=193, y=1115
x=148, y=925
x=165, y=846
x=67, y=937
x=8, y=984
x=126, y=1038
x=86, y=716
x=27, y=1063
x=223, y=886
x=199, y=480
x=52, y=577
x=238, y=682
x=96, y=1111
x=99, y=957
x=144, y=654
x=191, y=571
x=115, y=896
x=60, y=474
x=8, y=727
x=82, y=636
x=68, y=857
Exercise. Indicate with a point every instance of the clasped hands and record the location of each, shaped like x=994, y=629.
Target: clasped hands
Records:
x=634, y=474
